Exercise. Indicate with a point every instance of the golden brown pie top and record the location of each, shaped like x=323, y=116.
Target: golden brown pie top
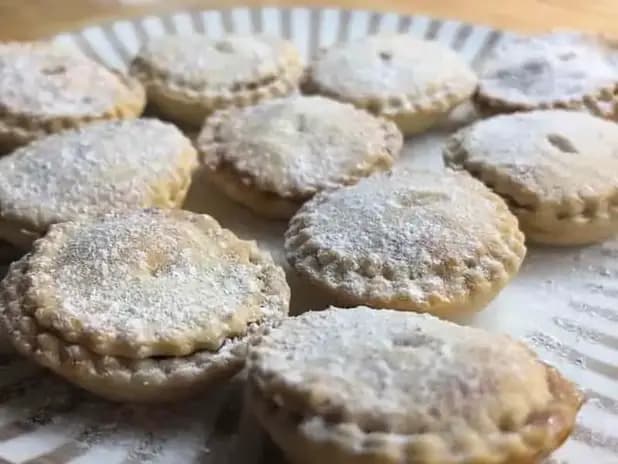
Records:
x=45, y=81
x=420, y=386
x=151, y=283
x=299, y=145
x=93, y=169
x=529, y=72
x=227, y=65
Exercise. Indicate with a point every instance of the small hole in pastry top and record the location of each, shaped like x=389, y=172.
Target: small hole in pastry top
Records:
x=60, y=69
x=224, y=46
x=590, y=210
x=561, y=143
x=507, y=424
x=385, y=55
x=374, y=106
x=334, y=416
x=535, y=66
x=301, y=123
x=567, y=56
x=395, y=102
x=562, y=215
x=413, y=340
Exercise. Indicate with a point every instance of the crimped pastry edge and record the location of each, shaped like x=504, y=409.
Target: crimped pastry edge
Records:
x=411, y=113
x=346, y=442
x=145, y=380
x=272, y=277
x=603, y=103
x=243, y=186
x=19, y=129
x=116, y=378
x=22, y=227
x=190, y=106
x=304, y=257
x=541, y=222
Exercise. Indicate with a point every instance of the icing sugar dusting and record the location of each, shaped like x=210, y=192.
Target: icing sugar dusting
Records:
x=301, y=144
x=540, y=152
x=559, y=66
x=148, y=277
x=203, y=62
x=391, y=66
x=420, y=221
x=93, y=169
x=400, y=372
x=43, y=79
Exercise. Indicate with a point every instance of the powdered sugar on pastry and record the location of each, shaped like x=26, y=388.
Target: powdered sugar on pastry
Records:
x=550, y=70
x=550, y=155
x=299, y=145
x=557, y=169
x=43, y=80
x=204, y=63
x=151, y=283
x=416, y=240
x=100, y=167
x=387, y=66
x=406, y=388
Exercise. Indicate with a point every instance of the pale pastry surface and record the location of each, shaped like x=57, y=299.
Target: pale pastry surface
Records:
x=552, y=70
x=46, y=81
x=149, y=283
x=94, y=169
x=392, y=74
x=43, y=83
x=217, y=65
x=556, y=160
x=398, y=387
x=296, y=146
x=413, y=239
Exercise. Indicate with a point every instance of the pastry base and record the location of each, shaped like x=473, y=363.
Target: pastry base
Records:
x=265, y=204
x=579, y=230
x=22, y=235
x=456, y=308
x=348, y=444
x=190, y=111
x=153, y=379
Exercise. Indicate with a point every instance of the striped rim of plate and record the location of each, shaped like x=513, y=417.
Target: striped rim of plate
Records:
x=572, y=323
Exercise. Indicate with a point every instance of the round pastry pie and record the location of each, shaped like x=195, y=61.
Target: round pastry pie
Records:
x=559, y=70
x=189, y=77
x=91, y=170
x=385, y=387
x=438, y=242
x=145, y=305
x=413, y=82
x=45, y=88
x=557, y=170
x=274, y=156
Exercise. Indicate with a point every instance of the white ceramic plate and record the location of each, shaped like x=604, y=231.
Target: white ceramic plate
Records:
x=564, y=302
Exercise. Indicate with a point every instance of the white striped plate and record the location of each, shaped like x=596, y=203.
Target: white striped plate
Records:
x=564, y=302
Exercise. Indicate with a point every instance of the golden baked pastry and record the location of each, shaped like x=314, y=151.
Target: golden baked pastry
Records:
x=189, y=77
x=144, y=305
x=46, y=88
x=557, y=170
x=559, y=70
x=386, y=387
x=438, y=242
x=91, y=170
x=274, y=156
x=415, y=83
